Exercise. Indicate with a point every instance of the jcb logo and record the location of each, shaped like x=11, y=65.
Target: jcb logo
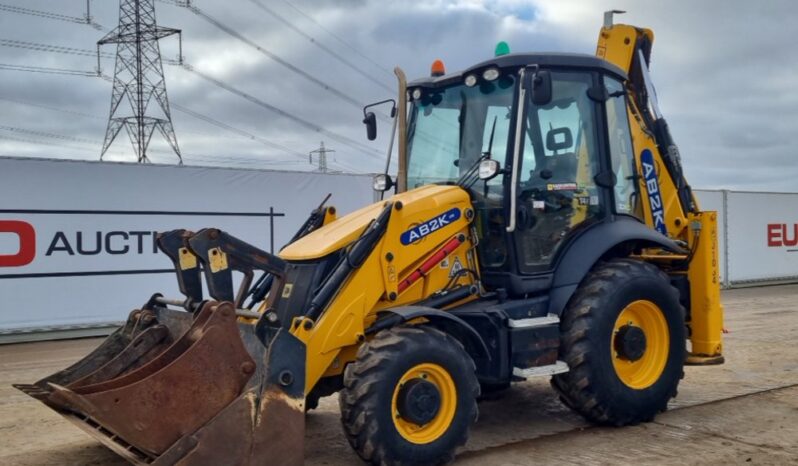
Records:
x=27, y=243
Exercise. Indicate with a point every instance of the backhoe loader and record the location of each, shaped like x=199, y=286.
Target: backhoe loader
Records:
x=540, y=225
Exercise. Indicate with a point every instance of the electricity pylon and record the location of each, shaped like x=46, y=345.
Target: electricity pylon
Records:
x=138, y=79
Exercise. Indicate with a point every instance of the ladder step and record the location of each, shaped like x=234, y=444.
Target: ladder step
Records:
x=557, y=368
x=534, y=321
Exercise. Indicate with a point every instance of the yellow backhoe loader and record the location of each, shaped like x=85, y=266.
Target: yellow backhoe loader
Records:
x=540, y=225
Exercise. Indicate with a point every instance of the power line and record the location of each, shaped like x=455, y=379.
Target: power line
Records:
x=86, y=142
x=338, y=38
x=320, y=45
x=45, y=134
x=50, y=15
x=245, y=134
x=235, y=130
x=52, y=48
x=55, y=109
x=34, y=141
x=342, y=139
x=232, y=32
x=47, y=70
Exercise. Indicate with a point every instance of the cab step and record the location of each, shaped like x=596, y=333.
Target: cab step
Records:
x=533, y=322
x=557, y=368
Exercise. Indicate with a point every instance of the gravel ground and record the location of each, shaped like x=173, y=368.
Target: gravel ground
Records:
x=745, y=411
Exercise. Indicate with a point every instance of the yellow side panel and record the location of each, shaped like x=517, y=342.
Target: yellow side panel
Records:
x=331, y=340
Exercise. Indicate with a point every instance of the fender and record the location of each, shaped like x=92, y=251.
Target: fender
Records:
x=453, y=325
x=588, y=248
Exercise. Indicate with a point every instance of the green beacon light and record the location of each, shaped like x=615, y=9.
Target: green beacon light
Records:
x=502, y=49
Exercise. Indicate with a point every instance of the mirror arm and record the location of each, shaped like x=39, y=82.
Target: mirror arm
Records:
x=393, y=106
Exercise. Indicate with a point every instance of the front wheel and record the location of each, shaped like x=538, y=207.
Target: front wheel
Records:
x=623, y=337
x=409, y=398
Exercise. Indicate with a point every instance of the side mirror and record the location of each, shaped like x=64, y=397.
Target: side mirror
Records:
x=541, y=87
x=488, y=169
x=371, y=126
x=382, y=182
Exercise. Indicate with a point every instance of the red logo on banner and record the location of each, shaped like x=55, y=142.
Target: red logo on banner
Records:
x=780, y=234
x=27, y=243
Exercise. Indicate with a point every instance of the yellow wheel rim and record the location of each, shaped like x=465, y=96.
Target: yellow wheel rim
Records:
x=645, y=371
x=434, y=429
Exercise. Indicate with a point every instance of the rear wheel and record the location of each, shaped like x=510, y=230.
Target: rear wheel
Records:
x=623, y=337
x=409, y=398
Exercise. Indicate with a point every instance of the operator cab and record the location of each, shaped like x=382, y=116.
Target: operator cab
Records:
x=557, y=124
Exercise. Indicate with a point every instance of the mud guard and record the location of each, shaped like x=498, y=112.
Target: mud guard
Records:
x=449, y=323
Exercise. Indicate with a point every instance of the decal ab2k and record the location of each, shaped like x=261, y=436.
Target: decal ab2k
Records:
x=652, y=186
x=434, y=224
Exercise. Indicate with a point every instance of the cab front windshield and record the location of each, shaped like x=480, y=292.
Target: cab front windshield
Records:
x=450, y=129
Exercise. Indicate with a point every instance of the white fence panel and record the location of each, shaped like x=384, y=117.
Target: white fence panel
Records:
x=77, y=238
x=762, y=236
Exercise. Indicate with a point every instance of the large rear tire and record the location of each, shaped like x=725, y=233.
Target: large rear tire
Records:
x=623, y=337
x=409, y=398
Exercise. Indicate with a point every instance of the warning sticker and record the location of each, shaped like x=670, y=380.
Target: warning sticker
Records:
x=457, y=266
x=562, y=187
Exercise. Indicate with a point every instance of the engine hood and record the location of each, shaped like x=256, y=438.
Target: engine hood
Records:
x=346, y=229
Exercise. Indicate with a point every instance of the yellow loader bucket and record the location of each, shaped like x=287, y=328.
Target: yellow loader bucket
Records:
x=188, y=388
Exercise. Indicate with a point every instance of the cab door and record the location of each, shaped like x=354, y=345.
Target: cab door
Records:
x=559, y=158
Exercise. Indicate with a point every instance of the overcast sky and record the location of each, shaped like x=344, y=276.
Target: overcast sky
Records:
x=726, y=74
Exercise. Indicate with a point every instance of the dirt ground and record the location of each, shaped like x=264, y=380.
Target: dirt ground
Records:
x=744, y=412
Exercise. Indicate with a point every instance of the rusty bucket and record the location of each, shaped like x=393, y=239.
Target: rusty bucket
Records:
x=173, y=387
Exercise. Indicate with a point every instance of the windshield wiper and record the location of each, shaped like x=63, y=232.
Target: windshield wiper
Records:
x=489, y=153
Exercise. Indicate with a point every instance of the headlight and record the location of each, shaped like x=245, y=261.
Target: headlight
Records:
x=490, y=74
x=471, y=80
x=382, y=183
x=416, y=94
x=488, y=169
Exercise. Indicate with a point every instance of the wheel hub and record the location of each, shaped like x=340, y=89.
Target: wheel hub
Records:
x=630, y=342
x=419, y=401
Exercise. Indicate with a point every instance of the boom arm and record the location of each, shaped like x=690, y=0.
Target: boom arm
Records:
x=671, y=208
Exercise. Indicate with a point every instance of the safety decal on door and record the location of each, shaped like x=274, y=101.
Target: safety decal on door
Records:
x=652, y=187
x=434, y=224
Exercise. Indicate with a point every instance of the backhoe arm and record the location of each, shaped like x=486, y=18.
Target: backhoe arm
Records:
x=671, y=207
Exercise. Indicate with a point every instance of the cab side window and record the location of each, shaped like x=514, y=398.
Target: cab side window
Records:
x=627, y=200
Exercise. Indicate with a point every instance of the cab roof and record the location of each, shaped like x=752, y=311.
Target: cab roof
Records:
x=518, y=60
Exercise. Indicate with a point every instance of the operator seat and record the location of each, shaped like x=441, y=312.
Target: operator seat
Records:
x=561, y=165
